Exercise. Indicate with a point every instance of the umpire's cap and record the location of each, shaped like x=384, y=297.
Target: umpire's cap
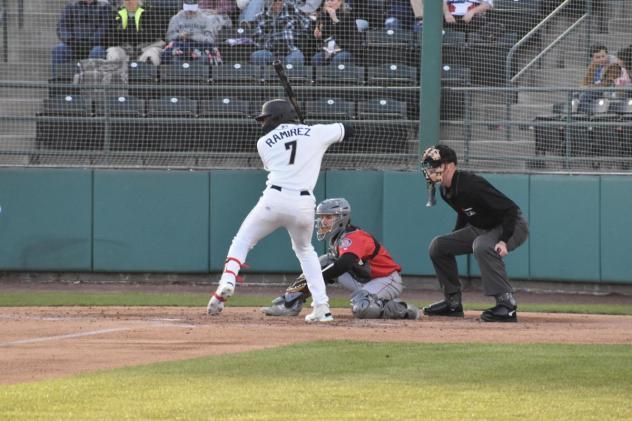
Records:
x=446, y=155
x=275, y=112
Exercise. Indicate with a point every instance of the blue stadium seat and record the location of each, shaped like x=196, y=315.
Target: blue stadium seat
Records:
x=392, y=75
x=185, y=73
x=296, y=74
x=329, y=109
x=124, y=134
x=179, y=131
x=382, y=109
x=389, y=46
x=224, y=107
x=236, y=74
x=61, y=124
x=339, y=74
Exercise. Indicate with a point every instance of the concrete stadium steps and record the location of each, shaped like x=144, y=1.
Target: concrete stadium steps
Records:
x=621, y=26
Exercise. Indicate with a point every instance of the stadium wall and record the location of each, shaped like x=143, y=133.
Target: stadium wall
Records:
x=183, y=221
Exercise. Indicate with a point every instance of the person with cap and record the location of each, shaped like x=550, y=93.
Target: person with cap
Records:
x=291, y=153
x=489, y=225
x=192, y=35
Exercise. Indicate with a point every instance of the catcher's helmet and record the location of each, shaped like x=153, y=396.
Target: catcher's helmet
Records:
x=275, y=112
x=338, y=207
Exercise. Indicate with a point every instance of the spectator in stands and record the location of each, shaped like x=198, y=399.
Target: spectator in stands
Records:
x=625, y=58
x=336, y=28
x=600, y=59
x=406, y=14
x=465, y=15
x=134, y=33
x=615, y=75
x=81, y=29
x=251, y=9
x=224, y=8
x=280, y=30
x=594, y=77
x=191, y=35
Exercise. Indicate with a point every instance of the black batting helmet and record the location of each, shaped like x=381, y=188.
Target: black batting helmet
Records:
x=275, y=112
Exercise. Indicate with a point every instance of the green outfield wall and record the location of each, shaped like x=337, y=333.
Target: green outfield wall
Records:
x=183, y=221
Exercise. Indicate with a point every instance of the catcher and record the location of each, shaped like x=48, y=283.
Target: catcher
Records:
x=356, y=261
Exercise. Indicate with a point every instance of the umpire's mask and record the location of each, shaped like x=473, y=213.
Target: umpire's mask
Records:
x=332, y=217
x=433, y=162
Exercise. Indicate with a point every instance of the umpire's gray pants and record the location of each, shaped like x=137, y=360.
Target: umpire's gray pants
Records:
x=480, y=242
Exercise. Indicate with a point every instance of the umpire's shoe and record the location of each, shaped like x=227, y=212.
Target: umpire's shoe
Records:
x=500, y=313
x=444, y=308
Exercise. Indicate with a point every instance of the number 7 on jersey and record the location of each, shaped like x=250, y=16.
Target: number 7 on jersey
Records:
x=291, y=145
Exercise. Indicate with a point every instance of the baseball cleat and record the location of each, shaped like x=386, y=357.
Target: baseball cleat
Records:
x=320, y=314
x=219, y=297
x=500, y=313
x=443, y=308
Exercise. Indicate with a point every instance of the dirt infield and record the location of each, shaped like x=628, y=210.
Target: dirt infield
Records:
x=51, y=342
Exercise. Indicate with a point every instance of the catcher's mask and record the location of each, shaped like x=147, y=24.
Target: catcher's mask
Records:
x=332, y=217
x=275, y=112
x=433, y=162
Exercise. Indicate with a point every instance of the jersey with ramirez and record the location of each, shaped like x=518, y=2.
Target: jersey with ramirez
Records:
x=292, y=153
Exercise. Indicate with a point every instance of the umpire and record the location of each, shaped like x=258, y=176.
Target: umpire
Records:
x=488, y=224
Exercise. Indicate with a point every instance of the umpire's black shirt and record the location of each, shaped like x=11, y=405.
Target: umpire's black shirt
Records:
x=479, y=203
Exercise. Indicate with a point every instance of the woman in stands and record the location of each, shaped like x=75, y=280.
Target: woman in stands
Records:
x=337, y=30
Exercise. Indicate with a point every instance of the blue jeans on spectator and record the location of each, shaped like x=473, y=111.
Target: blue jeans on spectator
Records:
x=63, y=54
x=265, y=57
x=342, y=57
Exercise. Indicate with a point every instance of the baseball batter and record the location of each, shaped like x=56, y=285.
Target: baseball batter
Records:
x=356, y=261
x=292, y=154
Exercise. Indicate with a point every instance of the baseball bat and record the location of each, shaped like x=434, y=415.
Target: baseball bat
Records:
x=289, y=92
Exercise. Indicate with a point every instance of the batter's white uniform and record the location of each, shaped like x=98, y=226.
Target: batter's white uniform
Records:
x=292, y=154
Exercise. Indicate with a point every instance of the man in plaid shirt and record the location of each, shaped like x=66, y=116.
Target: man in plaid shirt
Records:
x=278, y=32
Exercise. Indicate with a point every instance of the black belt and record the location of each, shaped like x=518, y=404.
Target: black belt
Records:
x=303, y=192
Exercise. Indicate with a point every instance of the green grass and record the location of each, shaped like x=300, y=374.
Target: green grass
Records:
x=15, y=299
x=349, y=380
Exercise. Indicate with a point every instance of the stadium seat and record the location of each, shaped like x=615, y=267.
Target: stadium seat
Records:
x=236, y=45
x=180, y=131
x=453, y=48
x=139, y=75
x=67, y=105
x=296, y=74
x=121, y=106
x=236, y=74
x=388, y=46
x=70, y=133
x=184, y=73
x=65, y=75
x=139, y=72
x=453, y=102
x=519, y=16
x=487, y=62
x=329, y=109
x=172, y=106
x=339, y=74
x=549, y=139
x=124, y=134
x=382, y=109
x=392, y=75
x=225, y=107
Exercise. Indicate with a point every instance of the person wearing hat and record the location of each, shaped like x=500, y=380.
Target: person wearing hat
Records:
x=489, y=225
x=192, y=35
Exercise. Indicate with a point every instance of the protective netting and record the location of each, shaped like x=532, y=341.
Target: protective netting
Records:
x=543, y=87
x=178, y=88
